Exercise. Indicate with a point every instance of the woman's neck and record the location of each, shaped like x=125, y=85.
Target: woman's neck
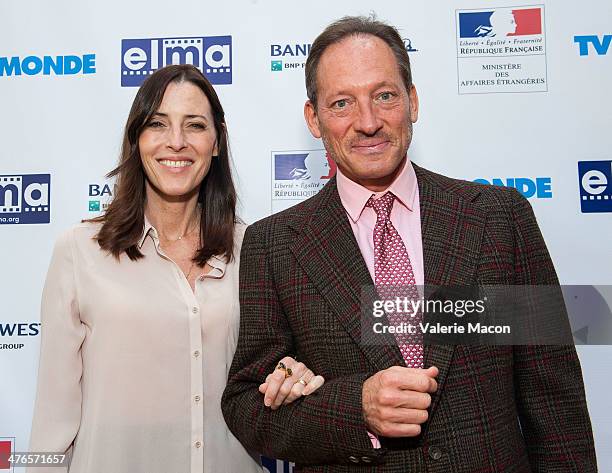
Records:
x=172, y=218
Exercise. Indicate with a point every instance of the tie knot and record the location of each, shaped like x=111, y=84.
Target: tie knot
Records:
x=382, y=206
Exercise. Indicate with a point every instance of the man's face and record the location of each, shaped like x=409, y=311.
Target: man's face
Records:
x=364, y=113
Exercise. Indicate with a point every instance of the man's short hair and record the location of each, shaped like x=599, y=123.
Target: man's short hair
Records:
x=355, y=26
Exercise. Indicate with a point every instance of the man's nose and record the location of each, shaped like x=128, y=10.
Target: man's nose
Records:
x=367, y=121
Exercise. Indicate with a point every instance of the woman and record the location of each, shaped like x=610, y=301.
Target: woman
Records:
x=140, y=307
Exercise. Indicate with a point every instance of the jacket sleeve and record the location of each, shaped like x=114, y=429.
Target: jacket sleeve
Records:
x=324, y=427
x=548, y=380
x=57, y=411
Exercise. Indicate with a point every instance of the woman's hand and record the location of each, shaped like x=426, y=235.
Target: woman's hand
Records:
x=289, y=381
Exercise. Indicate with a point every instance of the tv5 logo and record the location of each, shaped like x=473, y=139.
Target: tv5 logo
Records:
x=595, y=180
x=601, y=46
x=142, y=57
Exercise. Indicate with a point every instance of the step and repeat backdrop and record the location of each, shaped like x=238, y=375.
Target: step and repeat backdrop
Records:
x=512, y=94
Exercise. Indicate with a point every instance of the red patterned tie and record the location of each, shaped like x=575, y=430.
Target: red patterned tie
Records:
x=393, y=276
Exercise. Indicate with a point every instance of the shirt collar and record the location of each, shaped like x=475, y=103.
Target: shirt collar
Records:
x=218, y=263
x=354, y=196
x=145, y=231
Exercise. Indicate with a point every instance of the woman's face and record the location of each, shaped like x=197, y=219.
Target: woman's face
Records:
x=177, y=145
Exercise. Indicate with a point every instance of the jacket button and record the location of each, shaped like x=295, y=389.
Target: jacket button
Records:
x=354, y=459
x=435, y=453
x=366, y=459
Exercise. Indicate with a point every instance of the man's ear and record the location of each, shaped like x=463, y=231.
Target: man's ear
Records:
x=312, y=120
x=414, y=104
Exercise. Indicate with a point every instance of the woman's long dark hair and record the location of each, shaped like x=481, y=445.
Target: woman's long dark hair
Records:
x=123, y=221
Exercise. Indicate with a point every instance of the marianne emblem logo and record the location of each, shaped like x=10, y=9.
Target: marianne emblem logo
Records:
x=298, y=175
x=502, y=22
x=501, y=50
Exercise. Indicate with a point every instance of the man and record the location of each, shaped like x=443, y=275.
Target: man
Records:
x=394, y=407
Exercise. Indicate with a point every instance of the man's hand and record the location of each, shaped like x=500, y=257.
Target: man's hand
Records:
x=395, y=400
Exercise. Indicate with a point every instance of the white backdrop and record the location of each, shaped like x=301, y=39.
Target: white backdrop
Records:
x=555, y=114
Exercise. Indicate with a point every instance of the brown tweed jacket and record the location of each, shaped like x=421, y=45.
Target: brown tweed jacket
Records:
x=497, y=409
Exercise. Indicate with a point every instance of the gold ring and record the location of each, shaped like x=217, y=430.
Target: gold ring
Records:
x=301, y=381
x=281, y=366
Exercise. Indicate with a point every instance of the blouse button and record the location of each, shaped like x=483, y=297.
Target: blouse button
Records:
x=196, y=354
x=198, y=444
x=197, y=398
x=194, y=310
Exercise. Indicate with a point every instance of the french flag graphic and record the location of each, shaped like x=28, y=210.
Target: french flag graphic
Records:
x=501, y=22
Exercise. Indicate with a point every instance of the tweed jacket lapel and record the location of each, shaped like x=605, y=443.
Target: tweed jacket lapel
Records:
x=327, y=251
x=452, y=229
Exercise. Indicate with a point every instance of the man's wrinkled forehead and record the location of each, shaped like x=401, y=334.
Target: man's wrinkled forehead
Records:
x=358, y=60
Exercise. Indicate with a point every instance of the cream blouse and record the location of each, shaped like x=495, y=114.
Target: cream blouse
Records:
x=133, y=362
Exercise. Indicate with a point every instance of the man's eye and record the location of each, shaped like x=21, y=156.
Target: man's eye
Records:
x=386, y=96
x=342, y=103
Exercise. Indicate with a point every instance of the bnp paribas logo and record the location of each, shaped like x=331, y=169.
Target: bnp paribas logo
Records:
x=100, y=196
x=288, y=56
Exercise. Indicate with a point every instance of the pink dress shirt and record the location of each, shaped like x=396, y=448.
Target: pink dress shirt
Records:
x=405, y=216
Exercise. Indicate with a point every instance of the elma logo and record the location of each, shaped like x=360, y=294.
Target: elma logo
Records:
x=211, y=54
x=48, y=65
x=600, y=46
x=25, y=198
x=595, y=180
x=540, y=187
x=6, y=448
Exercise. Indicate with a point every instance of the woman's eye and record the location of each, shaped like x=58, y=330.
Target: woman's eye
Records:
x=198, y=126
x=155, y=124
